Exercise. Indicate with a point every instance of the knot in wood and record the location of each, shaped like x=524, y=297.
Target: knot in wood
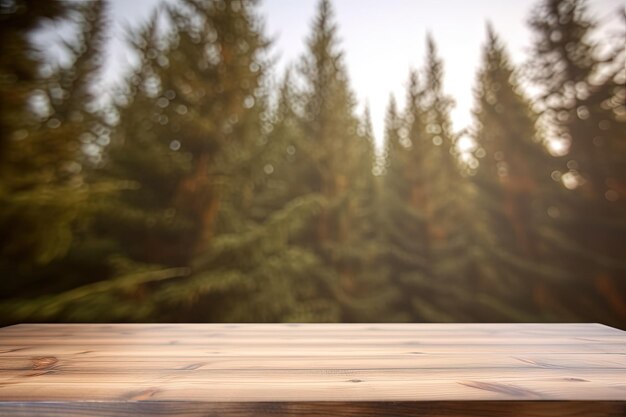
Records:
x=43, y=362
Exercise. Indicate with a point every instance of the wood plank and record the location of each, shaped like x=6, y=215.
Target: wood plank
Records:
x=94, y=361
x=312, y=369
x=317, y=409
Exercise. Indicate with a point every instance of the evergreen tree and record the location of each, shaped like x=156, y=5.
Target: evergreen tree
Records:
x=48, y=121
x=376, y=298
x=248, y=270
x=206, y=193
x=281, y=155
x=514, y=192
x=176, y=143
x=338, y=167
x=192, y=130
x=431, y=251
x=403, y=228
x=582, y=102
x=188, y=130
x=451, y=249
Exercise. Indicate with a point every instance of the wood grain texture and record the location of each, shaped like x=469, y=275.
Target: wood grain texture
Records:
x=312, y=370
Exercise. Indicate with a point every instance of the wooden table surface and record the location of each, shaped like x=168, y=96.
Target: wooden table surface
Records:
x=312, y=370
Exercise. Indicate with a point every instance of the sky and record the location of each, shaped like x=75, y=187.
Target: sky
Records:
x=382, y=40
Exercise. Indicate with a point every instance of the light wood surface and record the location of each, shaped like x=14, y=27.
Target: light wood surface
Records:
x=312, y=370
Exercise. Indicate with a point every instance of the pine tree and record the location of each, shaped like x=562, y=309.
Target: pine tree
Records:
x=338, y=167
x=254, y=270
x=403, y=227
x=142, y=223
x=281, y=154
x=376, y=298
x=42, y=185
x=180, y=130
x=194, y=132
x=513, y=192
x=445, y=191
x=184, y=242
x=431, y=248
x=583, y=106
x=188, y=129
x=248, y=270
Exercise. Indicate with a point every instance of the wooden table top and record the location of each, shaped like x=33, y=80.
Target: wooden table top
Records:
x=311, y=369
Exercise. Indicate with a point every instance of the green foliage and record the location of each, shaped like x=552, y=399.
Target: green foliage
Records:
x=513, y=172
x=583, y=102
x=336, y=162
x=206, y=192
x=43, y=192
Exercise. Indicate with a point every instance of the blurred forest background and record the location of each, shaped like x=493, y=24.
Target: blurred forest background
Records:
x=205, y=192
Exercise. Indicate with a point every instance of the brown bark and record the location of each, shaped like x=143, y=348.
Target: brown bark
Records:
x=201, y=196
x=519, y=187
